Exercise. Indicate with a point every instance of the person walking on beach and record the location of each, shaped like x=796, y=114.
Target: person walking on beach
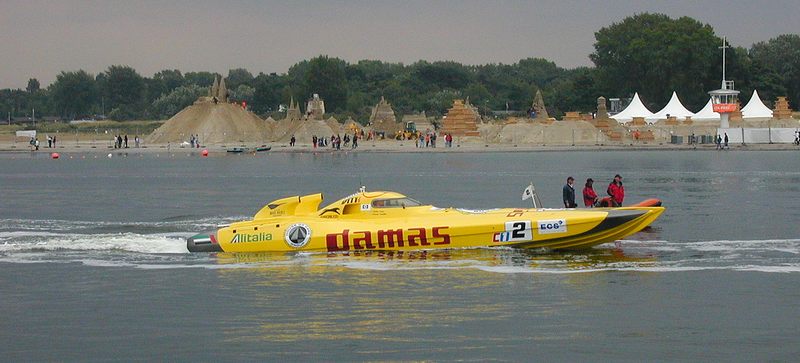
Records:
x=718, y=141
x=726, y=141
x=569, y=193
x=49, y=142
x=616, y=191
x=355, y=140
x=54, y=141
x=126, y=141
x=292, y=141
x=589, y=195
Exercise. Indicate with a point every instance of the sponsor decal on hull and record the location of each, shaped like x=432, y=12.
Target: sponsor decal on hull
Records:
x=255, y=237
x=387, y=238
x=515, y=231
x=552, y=226
x=297, y=235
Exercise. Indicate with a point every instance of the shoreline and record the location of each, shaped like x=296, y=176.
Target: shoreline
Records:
x=388, y=147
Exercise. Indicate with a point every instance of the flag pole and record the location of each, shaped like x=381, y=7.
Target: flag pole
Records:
x=533, y=197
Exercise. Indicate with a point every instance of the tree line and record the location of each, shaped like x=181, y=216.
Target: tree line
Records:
x=652, y=54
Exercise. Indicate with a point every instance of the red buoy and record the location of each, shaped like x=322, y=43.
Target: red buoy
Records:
x=204, y=152
x=55, y=155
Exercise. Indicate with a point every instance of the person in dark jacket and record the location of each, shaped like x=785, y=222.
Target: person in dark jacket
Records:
x=616, y=191
x=589, y=195
x=569, y=193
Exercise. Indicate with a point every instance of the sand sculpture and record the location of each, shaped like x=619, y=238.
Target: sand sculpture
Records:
x=383, y=119
x=305, y=126
x=293, y=112
x=602, y=111
x=315, y=108
x=214, y=121
x=782, y=110
x=538, y=106
x=461, y=120
x=420, y=121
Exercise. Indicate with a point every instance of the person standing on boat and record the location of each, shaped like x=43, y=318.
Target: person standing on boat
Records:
x=616, y=191
x=569, y=193
x=589, y=195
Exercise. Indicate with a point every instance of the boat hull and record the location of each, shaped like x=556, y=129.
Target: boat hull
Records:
x=426, y=227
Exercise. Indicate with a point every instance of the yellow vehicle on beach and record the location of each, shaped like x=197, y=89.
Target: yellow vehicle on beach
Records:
x=390, y=221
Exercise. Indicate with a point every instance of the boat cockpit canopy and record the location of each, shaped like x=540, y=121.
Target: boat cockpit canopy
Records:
x=395, y=203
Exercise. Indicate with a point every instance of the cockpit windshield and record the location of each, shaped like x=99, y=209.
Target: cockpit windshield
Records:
x=395, y=203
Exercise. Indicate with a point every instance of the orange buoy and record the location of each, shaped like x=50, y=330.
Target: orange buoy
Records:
x=204, y=152
x=55, y=155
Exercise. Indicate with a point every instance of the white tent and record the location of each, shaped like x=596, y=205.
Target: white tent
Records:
x=673, y=108
x=755, y=108
x=635, y=109
x=707, y=113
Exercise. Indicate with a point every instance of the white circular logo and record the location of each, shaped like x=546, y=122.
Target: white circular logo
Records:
x=297, y=235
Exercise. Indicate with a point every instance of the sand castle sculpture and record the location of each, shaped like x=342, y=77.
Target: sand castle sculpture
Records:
x=315, y=108
x=214, y=121
x=782, y=110
x=538, y=107
x=305, y=126
x=420, y=121
x=383, y=119
x=461, y=120
x=217, y=93
x=293, y=112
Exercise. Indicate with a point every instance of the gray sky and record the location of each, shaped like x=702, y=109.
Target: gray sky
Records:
x=41, y=38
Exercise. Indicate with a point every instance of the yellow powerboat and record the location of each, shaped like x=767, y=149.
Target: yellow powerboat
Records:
x=391, y=221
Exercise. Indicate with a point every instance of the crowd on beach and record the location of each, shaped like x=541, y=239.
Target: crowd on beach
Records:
x=615, y=191
x=121, y=142
x=335, y=141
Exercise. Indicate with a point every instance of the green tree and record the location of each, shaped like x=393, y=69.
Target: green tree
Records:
x=33, y=85
x=779, y=59
x=237, y=77
x=268, y=94
x=73, y=94
x=654, y=54
x=181, y=97
x=163, y=82
x=202, y=79
x=124, y=92
x=243, y=93
x=325, y=76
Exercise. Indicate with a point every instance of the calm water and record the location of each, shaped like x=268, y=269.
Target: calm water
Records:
x=93, y=264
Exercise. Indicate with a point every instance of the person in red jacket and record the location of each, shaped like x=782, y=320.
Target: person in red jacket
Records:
x=616, y=191
x=589, y=195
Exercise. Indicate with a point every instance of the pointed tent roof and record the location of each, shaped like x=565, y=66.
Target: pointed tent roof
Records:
x=755, y=108
x=635, y=109
x=673, y=108
x=707, y=112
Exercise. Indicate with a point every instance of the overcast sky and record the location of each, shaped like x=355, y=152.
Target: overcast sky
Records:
x=38, y=39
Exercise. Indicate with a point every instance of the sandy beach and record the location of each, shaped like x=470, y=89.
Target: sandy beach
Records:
x=381, y=146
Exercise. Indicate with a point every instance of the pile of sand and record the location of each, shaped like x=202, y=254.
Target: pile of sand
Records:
x=557, y=133
x=304, y=130
x=214, y=124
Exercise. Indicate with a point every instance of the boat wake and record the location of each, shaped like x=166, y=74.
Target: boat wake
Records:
x=162, y=245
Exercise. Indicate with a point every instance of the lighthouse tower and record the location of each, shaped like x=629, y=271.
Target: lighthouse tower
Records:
x=726, y=99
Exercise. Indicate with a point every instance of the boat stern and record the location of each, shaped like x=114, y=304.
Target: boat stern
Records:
x=203, y=242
